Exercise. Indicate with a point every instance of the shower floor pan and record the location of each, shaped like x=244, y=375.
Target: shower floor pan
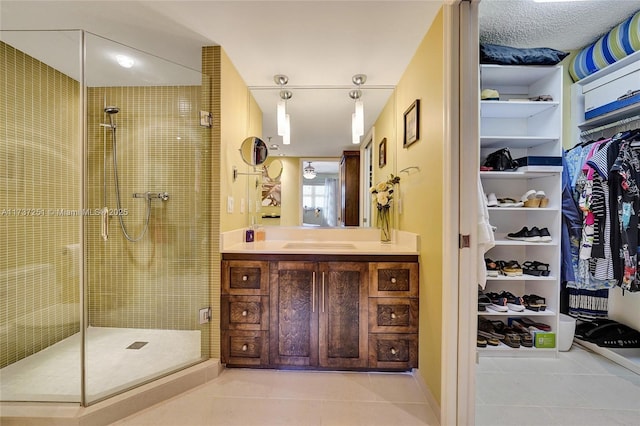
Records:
x=53, y=374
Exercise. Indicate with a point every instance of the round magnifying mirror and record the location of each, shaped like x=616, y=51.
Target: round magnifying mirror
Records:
x=254, y=151
x=274, y=169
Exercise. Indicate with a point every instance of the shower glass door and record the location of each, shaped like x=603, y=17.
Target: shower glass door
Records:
x=40, y=230
x=146, y=232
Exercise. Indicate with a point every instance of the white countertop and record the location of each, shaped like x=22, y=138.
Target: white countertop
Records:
x=303, y=240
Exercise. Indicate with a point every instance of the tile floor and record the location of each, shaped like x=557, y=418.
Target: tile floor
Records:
x=579, y=388
x=272, y=397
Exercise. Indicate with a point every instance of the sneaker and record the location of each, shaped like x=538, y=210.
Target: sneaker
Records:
x=515, y=303
x=525, y=234
x=498, y=303
x=544, y=236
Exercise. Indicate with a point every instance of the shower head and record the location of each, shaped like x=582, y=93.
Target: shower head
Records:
x=112, y=110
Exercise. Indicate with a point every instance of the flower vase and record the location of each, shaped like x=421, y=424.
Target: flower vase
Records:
x=384, y=223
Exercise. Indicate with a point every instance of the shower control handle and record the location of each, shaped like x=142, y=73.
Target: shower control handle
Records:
x=164, y=196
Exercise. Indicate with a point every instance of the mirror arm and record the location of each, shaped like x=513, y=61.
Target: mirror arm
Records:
x=236, y=173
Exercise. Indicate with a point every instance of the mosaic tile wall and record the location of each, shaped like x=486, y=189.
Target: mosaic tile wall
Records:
x=40, y=172
x=161, y=281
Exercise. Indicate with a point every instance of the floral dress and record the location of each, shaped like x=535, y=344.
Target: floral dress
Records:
x=626, y=174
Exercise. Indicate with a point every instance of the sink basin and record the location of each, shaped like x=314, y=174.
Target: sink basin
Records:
x=320, y=246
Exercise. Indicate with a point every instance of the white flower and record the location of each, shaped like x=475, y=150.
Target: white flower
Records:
x=382, y=198
x=382, y=186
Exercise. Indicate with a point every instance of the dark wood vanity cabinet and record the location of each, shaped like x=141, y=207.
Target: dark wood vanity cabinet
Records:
x=244, y=313
x=319, y=314
x=327, y=315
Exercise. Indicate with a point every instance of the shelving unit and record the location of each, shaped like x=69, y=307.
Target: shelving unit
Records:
x=527, y=128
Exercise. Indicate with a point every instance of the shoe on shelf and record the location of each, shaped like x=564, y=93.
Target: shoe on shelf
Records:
x=492, y=200
x=536, y=268
x=526, y=339
x=512, y=340
x=509, y=202
x=483, y=301
x=525, y=234
x=498, y=303
x=533, y=302
x=512, y=269
x=487, y=328
x=528, y=323
x=481, y=342
x=529, y=199
x=515, y=303
x=493, y=268
x=544, y=236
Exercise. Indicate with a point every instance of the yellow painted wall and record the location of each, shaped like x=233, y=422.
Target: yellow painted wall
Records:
x=421, y=191
x=240, y=117
x=290, y=211
x=385, y=127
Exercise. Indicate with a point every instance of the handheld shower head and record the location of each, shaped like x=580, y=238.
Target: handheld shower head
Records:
x=112, y=110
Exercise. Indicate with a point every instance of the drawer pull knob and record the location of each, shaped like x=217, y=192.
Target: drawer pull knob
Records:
x=244, y=278
x=393, y=351
x=244, y=313
x=393, y=315
x=393, y=280
x=245, y=347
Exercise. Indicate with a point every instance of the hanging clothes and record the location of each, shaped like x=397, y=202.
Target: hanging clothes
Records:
x=486, y=237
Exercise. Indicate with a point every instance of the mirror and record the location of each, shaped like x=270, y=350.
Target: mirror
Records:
x=254, y=151
x=274, y=170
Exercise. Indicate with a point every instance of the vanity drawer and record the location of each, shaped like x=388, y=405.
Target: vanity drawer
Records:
x=393, y=351
x=244, y=313
x=245, y=277
x=245, y=348
x=393, y=315
x=393, y=279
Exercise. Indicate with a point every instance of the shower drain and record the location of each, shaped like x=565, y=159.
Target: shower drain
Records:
x=136, y=345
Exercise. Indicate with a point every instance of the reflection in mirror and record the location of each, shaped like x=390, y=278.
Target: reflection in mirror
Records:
x=274, y=169
x=253, y=151
x=320, y=199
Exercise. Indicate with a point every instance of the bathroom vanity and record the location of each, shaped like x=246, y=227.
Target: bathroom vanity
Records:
x=320, y=299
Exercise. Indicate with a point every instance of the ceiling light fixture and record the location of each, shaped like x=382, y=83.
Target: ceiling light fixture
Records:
x=125, y=61
x=284, y=128
x=357, y=118
x=309, y=172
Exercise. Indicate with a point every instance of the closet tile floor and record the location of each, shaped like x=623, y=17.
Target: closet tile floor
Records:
x=579, y=388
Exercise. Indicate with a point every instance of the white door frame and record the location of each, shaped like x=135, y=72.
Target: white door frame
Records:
x=460, y=176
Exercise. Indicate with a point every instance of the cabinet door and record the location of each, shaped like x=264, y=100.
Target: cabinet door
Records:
x=343, y=306
x=294, y=313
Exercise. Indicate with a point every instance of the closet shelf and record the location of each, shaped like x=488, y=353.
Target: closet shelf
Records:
x=616, y=115
x=523, y=209
x=525, y=313
x=506, y=351
x=504, y=242
x=506, y=109
x=517, y=175
x=523, y=278
x=519, y=142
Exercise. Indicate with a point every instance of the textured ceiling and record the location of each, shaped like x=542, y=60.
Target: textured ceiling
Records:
x=568, y=25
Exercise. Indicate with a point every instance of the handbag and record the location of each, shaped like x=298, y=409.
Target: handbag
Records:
x=500, y=160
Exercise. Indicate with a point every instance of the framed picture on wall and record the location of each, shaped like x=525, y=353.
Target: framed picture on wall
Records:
x=382, y=153
x=411, y=124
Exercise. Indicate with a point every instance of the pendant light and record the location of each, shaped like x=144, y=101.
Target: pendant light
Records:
x=357, y=118
x=284, y=128
x=309, y=172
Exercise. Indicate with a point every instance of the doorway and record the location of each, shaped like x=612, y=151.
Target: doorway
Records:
x=320, y=202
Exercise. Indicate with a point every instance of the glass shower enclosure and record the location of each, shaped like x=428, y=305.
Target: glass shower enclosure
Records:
x=105, y=177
